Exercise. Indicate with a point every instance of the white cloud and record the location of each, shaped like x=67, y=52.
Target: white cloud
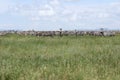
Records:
x=47, y=11
x=54, y=10
x=33, y=12
x=4, y=6
x=72, y=0
x=90, y=13
x=54, y=2
x=74, y=17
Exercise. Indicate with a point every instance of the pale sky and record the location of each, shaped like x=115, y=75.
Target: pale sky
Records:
x=55, y=14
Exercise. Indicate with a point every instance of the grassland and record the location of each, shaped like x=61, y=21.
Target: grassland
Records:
x=65, y=58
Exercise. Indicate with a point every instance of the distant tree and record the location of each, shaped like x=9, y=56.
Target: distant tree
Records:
x=102, y=29
x=76, y=32
x=60, y=32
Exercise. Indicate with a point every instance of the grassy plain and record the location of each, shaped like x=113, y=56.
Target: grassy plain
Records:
x=65, y=58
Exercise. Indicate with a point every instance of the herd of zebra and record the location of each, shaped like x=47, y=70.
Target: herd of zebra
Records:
x=60, y=33
x=76, y=33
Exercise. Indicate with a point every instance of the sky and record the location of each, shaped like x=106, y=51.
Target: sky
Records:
x=56, y=14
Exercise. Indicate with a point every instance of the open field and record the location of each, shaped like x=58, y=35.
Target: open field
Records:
x=59, y=58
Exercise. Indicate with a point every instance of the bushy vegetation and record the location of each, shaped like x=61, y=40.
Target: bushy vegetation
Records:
x=59, y=58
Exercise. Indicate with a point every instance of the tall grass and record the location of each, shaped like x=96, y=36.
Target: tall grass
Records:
x=66, y=58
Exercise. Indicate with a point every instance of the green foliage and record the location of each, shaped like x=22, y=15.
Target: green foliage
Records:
x=59, y=58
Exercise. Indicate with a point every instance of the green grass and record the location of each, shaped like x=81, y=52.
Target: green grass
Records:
x=66, y=58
